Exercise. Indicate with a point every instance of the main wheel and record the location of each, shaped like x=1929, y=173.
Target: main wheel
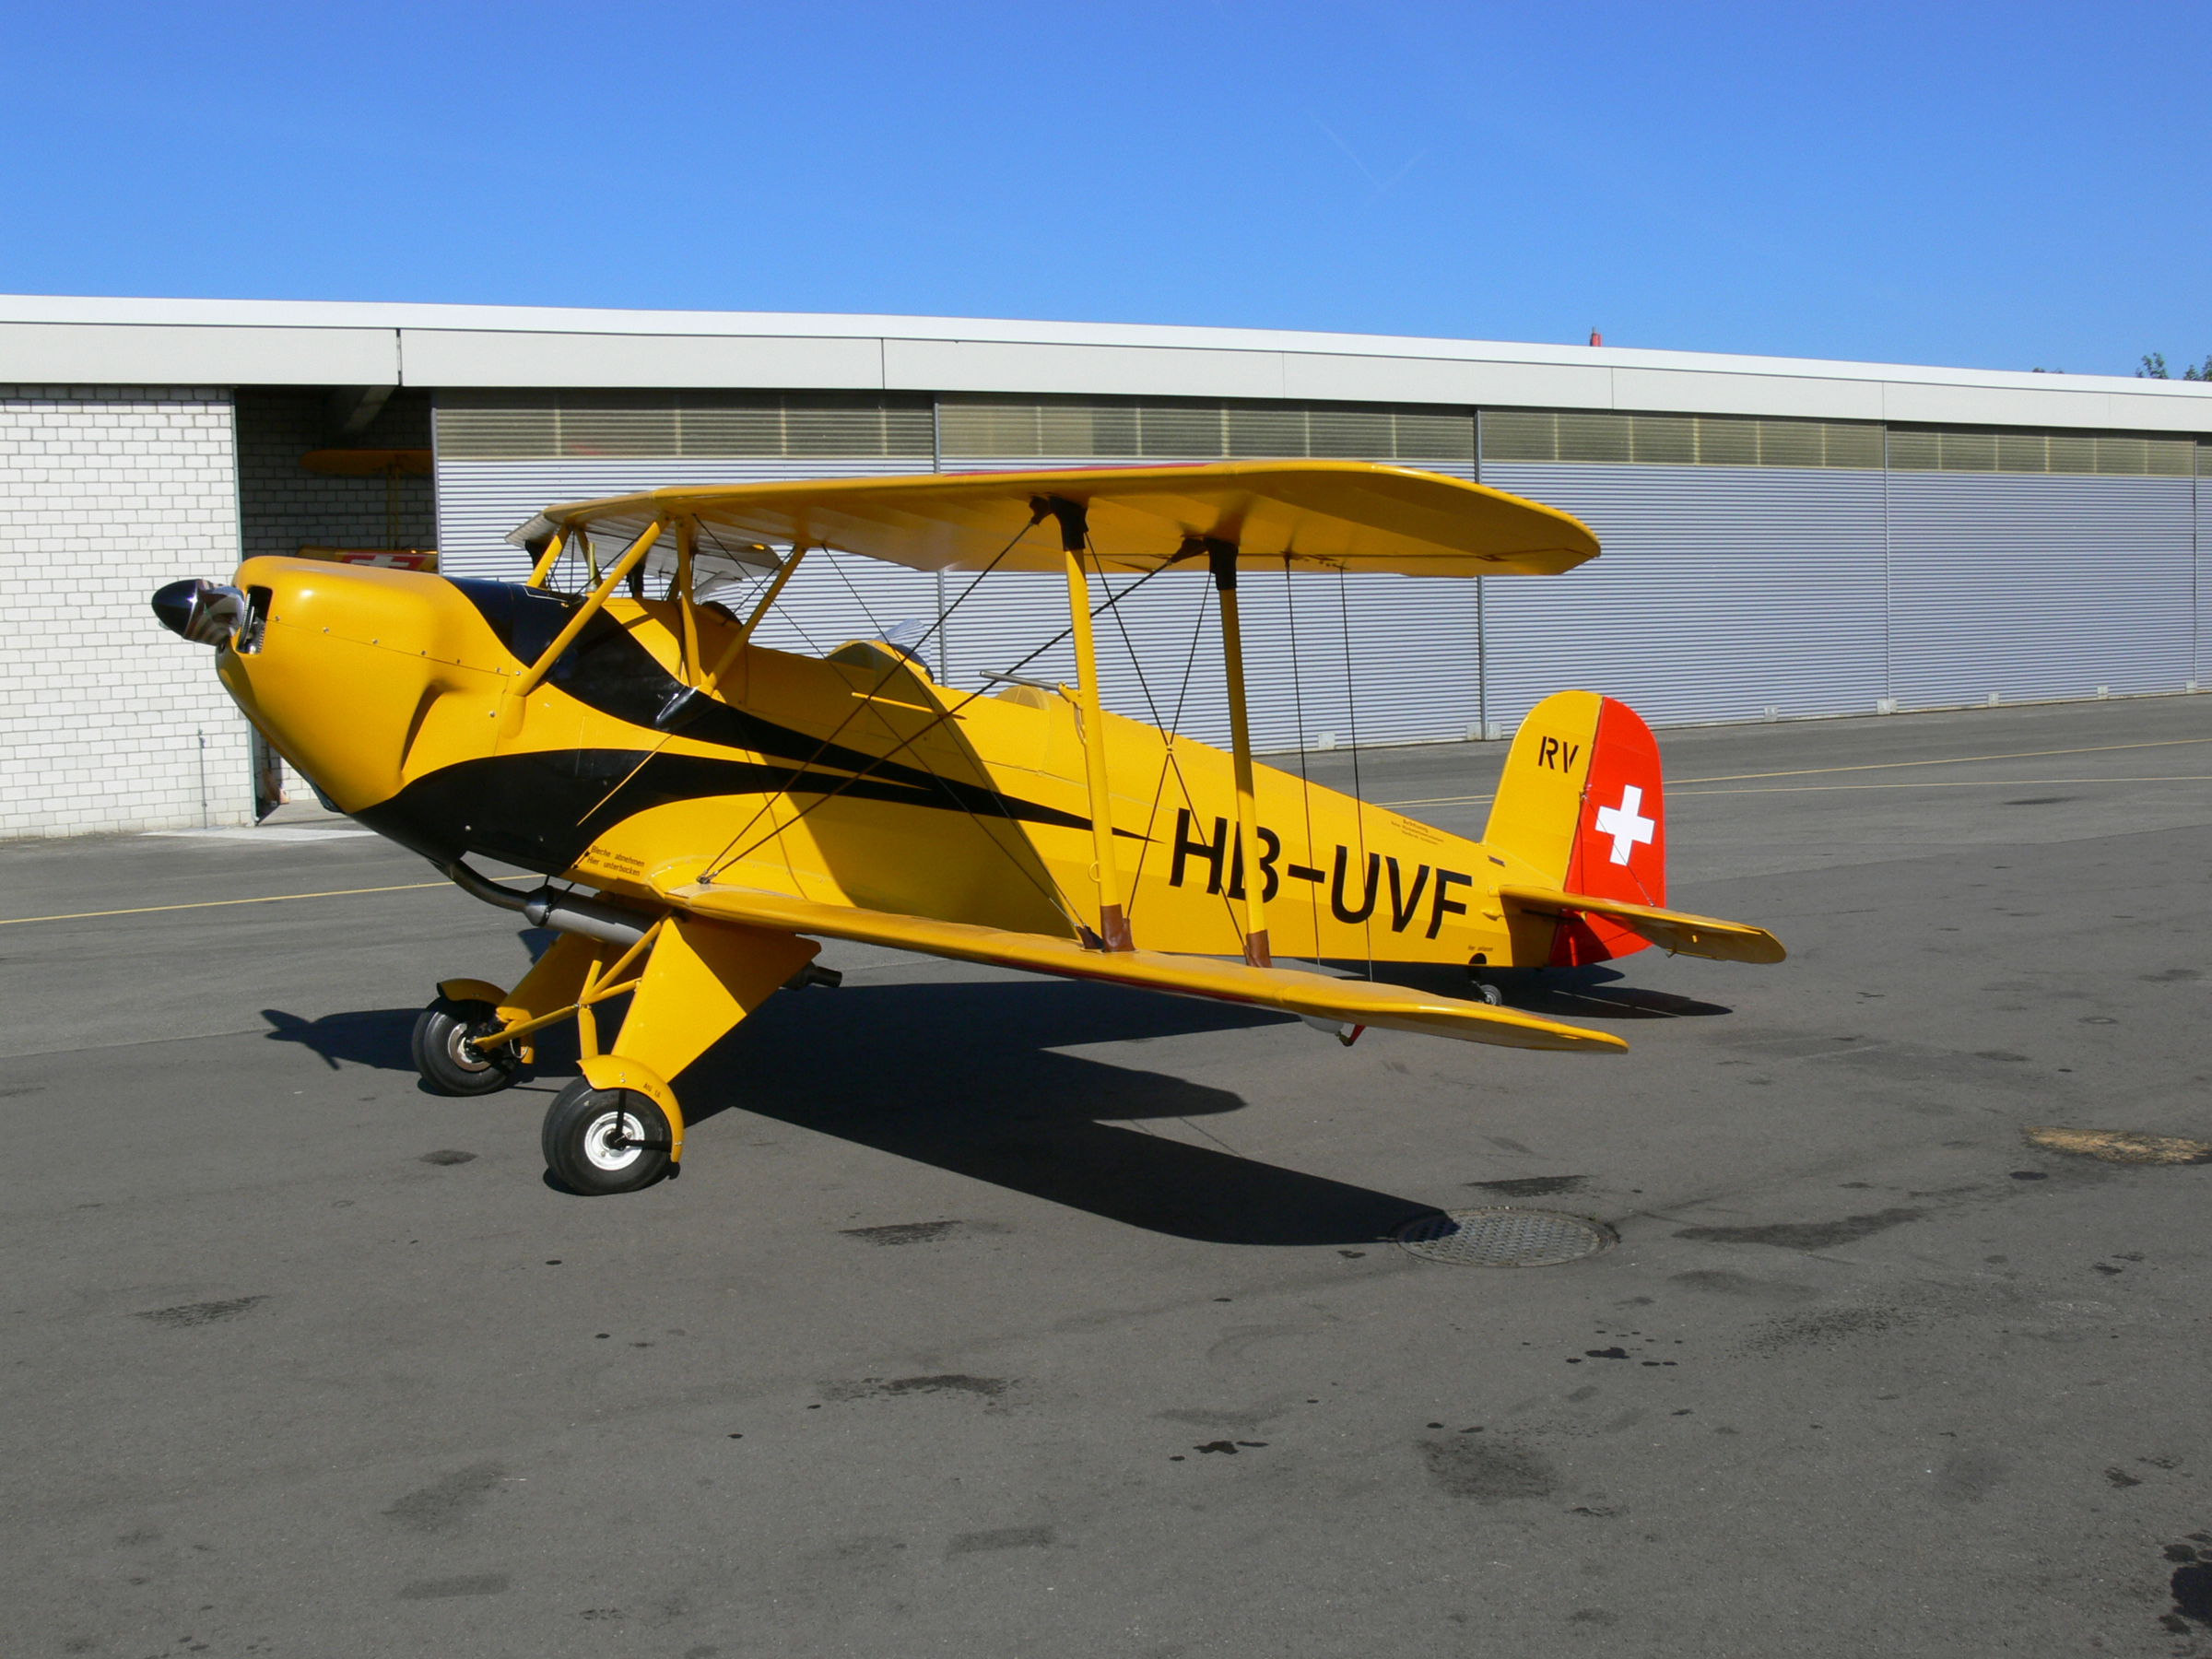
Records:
x=1485, y=991
x=605, y=1140
x=450, y=1062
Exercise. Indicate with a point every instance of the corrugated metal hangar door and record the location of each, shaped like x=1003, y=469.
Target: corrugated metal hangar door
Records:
x=2201, y=674
x=1757, y=567
x=1753, y=568
x=2026, y=566
x=1742, y=570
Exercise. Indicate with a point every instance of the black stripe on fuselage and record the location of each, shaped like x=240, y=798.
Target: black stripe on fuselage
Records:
x=541, y=809
x=607, y=670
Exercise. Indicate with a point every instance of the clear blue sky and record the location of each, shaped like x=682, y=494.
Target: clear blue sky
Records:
x=1994, y=185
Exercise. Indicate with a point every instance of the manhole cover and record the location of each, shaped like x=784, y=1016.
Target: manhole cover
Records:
x=1504, y=1236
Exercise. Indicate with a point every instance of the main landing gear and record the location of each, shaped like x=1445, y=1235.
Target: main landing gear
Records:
x=617, y=1128
x=606, y=1140
x=445, y=1051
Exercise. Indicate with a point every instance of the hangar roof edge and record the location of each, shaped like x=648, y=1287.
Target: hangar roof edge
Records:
x=48, y=339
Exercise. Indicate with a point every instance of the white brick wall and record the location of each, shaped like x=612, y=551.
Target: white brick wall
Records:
x=107, y=720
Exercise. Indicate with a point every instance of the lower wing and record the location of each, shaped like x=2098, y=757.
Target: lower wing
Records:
x=1286, y=990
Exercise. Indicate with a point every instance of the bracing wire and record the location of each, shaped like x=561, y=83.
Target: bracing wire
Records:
x=875, y=627
x=759, y=582
x=931, y=724
x=824, y=745
x=883, y=679
x=1169, y=762
x=1351, y=706
x=1298, y=711
x=666, y=738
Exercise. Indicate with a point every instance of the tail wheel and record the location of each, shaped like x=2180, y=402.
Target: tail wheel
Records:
x=447, y=1057
x=1481, y=987
x=605, y=1140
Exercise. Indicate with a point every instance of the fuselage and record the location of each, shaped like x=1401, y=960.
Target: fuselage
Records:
x=851, y=779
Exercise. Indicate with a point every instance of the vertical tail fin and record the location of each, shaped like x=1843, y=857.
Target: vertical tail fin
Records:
x=1583, y=803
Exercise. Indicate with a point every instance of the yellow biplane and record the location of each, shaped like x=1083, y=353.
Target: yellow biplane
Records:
x=711, y=808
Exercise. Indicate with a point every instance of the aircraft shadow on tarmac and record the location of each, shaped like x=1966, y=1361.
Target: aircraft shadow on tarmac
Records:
x=965, y=1076
x=376, y=1037
x=1560, y=992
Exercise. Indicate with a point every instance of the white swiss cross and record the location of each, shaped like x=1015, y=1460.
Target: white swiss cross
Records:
x=1626, y=823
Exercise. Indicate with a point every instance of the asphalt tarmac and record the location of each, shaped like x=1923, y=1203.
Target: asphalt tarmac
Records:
x=997, y=1316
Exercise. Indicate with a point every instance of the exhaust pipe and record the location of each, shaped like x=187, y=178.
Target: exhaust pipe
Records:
x=552, y=907
x=476, y=887
x=594, y=918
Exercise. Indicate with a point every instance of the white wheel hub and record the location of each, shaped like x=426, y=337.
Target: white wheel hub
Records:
x=458, y=1050
x=611, y=1142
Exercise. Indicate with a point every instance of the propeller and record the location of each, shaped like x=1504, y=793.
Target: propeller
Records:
x=205, y=612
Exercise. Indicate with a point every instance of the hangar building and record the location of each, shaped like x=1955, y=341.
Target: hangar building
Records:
x=1783, y=538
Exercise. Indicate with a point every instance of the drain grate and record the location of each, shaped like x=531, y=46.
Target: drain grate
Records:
x=1504, y=1236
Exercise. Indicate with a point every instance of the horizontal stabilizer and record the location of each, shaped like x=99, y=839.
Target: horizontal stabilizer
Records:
x=1670, y=930
x=1285, y=990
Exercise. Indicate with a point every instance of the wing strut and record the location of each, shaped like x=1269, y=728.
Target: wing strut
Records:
x=1222, y=557
x=687, y=537
x=1114, y=920
x=591, y=607
x=790, y=568
x=548, y=560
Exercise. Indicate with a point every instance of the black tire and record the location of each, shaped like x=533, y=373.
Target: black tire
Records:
x=442, y=1053
x=599, y=1141
x=1486, y=991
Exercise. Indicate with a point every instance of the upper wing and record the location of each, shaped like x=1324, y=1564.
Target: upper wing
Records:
x=1289, y=991
x=1670, y=930
x=1351, y=515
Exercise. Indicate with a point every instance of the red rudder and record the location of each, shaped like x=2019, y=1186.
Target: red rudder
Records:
x=1621, y=842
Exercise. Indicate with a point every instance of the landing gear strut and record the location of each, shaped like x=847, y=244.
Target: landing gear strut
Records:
x=687, y=981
